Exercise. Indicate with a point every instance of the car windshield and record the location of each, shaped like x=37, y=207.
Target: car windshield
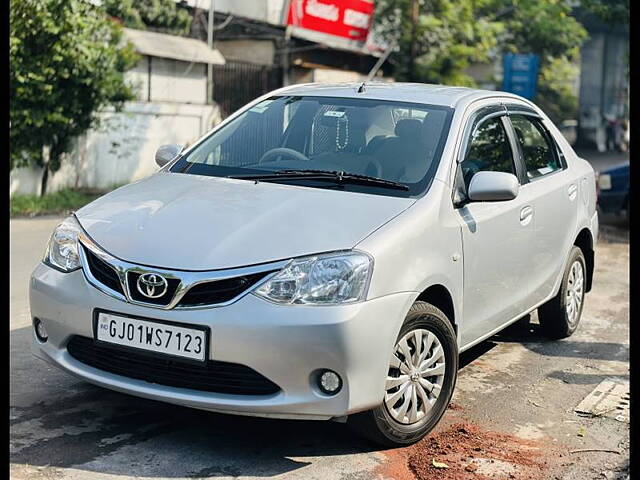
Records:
x=371, y=146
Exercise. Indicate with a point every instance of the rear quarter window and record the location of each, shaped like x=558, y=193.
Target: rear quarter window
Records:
x=539, y=151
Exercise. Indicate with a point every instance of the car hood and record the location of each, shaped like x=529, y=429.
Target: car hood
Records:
x=192, y=222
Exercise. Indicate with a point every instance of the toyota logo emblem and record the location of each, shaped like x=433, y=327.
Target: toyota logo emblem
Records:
x=152, y=285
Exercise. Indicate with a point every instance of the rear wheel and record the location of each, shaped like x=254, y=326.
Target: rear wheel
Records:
x=422, y=373
x=560, y=316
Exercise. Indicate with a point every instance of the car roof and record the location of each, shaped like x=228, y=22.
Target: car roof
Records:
x=403, y=92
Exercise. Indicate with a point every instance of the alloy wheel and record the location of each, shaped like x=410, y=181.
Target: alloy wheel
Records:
x=575, y=292
x=415, y=377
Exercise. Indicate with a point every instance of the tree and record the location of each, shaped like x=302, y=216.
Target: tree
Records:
x=67, y=61
x=548, y=29
x=608, y=11
x=448, y=36
x=544, y=27
x=555, y=94
x=436, y=39
x=164, y=15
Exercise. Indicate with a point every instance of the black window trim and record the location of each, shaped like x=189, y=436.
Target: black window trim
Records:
x=537, y=120
x=459, y=191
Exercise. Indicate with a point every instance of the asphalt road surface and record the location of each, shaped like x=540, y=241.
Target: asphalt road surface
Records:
x=517, y=384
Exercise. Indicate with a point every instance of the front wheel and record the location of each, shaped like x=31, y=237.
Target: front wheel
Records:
x=559, y=317
x=422, y=374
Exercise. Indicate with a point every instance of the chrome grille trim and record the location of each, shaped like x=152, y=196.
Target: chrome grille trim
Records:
x=188, y=279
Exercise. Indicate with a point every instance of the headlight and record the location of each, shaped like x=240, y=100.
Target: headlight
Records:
x=320, y=280
x=62, y=251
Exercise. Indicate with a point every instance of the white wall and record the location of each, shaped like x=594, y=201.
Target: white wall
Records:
x=177, y=81
x=261, y=52
x=328, y=75
x=171, y=80
x=270, y=11
x=122, y=149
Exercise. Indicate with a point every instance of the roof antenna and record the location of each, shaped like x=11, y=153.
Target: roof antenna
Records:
x=376, y=67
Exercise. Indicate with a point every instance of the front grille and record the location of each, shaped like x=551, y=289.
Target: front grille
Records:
x=103, y=272
x=134, y=293
x=209, y=292
x=212, y=376
x=219, y=291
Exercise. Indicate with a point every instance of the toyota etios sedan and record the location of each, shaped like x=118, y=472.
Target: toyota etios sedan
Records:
x=326, y=252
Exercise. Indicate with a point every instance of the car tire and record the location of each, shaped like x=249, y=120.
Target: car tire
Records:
x=382, y=425
x=558, y=318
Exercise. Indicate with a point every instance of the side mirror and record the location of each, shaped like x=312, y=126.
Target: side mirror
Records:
x=166, y=153
x=493, y=187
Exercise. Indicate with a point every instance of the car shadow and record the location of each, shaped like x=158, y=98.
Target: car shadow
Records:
x=527, y=333
x=530, y=336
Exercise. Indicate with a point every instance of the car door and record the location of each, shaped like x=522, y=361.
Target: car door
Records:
x=553, y=192
x=496, y=236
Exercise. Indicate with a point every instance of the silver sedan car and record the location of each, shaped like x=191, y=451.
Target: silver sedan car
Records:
x=326, y=252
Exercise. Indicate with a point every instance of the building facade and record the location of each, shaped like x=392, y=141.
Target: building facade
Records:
x=171, y=106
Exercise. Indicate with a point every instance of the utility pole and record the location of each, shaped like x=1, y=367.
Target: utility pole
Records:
x=414, y=39
x=286, y=66
x=210, y=44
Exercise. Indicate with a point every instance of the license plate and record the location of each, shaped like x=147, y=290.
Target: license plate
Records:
x=152, y=336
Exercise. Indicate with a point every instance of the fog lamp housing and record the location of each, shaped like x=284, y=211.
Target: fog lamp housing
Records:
x=329, y=382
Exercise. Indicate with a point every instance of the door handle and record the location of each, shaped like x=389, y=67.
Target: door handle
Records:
x=526, y=214
x=572, y=191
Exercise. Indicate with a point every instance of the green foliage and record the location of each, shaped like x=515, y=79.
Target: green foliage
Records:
x=544, y=27
x=547, y=28
x=67, y=61
x=58, y=202
x=555, y=92
x=609, y=11
x=448, y=38
x=451, y=35
x=164, y=15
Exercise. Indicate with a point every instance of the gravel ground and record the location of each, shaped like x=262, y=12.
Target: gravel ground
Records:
x=512, y=415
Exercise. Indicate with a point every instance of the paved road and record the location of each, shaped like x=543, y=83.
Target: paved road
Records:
x=516, y=383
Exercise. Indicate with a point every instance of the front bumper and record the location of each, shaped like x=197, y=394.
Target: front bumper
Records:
x=286, y=344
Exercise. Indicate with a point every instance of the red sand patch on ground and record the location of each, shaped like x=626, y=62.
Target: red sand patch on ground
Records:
x=470, y=453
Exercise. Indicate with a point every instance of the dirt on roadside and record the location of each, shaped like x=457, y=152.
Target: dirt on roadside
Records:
x=465, y=451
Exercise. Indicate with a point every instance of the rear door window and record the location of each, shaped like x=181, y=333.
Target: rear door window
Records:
x=538, y=153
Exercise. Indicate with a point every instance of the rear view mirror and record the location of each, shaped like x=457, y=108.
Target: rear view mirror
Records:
x=493, y=187
x=166, y=153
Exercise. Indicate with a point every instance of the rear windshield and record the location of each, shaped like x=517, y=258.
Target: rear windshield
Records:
x=395, y=141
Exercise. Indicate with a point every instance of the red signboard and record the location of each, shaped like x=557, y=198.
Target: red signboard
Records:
x=344, y=18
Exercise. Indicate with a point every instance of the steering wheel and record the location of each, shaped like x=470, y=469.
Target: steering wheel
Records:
x=281, y=151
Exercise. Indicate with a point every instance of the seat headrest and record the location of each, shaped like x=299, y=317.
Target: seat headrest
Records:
x=432, y=125
x=408, y=128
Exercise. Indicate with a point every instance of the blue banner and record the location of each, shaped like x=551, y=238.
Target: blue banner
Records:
x=520, y=74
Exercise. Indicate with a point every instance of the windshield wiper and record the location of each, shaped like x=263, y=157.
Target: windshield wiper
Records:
x=329, y=175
